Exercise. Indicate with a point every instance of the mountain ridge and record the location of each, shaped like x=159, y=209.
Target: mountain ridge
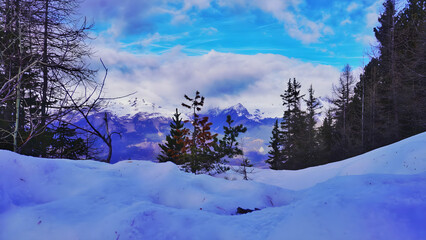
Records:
x=141, y=132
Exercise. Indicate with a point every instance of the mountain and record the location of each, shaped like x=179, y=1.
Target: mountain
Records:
x=141, y=133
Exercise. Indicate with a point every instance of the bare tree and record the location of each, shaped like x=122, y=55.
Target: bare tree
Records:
x=343, y=93
x=42, y=49
x=86, y=106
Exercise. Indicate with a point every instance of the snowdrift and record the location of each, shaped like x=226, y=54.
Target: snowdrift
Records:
x=404, y=157
x=377, y=195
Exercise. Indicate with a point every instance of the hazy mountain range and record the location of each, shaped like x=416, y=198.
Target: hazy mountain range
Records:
x=141, y=132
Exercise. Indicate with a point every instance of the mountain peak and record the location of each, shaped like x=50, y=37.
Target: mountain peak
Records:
x=239, y=107
x=240, y=110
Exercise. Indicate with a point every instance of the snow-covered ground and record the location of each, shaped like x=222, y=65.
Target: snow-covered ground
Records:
x=378, y=195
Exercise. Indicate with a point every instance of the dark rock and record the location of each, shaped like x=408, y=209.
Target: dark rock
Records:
x=244, y=211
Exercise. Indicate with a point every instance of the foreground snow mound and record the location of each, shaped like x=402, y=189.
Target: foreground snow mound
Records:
x=405, y=157
x=373, y=196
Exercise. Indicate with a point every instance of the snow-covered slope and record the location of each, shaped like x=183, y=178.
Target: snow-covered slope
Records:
x=378, y=195
x=404, y=157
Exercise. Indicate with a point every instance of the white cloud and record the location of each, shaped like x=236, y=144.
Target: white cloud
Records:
x=367, y=40
x=372, y=14
x=296, y=24
x=346, y=21
x=201, y=4
x=209, y=31
x=352, y=6
x=224, y=79
x=136, y=16
x=157, y=38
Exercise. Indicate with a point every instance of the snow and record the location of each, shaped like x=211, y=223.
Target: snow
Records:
x=136, y=106
x=405, y=157
x=377, y=195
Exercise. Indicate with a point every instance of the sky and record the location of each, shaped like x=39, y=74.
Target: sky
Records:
x=232, y=51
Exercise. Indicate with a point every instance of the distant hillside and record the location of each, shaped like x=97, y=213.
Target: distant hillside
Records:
x=142, y=132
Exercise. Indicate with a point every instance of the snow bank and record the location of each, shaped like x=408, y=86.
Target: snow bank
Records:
x=404, y=157
x=378, y=195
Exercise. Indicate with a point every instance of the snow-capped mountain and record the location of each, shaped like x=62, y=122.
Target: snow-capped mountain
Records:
x=141, y=132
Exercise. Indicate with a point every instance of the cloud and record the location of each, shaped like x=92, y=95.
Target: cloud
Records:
x=131, y=17
x=352, y=6
x=224, y=79
x=296, y=24
x=368, y=40
x=154, y=38
x=200, y=4
x=209, y=31
x=346, y=21
x=372, y=14
x=135, y=17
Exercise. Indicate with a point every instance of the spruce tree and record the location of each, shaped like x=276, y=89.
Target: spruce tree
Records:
x=199, y=145
x=228, y=145
x=243, y=169
x=311, y=141
x=326, y=139
x=173, y=149
x=389, y=82
x=410, y=33
x=293, y=127
x=66, y=144
x=275, y=156
x=343, y=93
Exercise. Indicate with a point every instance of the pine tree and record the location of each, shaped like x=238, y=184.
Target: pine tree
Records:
x=66, y=144
x=199, y=145
x=389, y=82
x=275, y=156
x=410, y=31
x=228, y=145
x=326, y=139
x=311, y=153
x=293, y=127
x=367, y=91
x=201, y=157
x=343, y=93
x=245, y=163
x=173, y=149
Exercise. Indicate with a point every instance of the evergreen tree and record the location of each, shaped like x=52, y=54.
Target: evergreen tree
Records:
x=245, y=163
x=311, y=153
x=343, y=93
x=326, y=139
x=66, y=144
x=173, y=149
x=203, y=152
x=228, y=145
x=410, y=30
x=201, y=157
x=389, y=82
x=199, y=145
x=293, y=127
x=275, y=156
x=388, y=103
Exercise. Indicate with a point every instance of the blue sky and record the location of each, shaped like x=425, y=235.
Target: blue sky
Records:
x=229, y=49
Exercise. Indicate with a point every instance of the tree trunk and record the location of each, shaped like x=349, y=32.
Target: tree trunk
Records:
x=19, y=81
x=45, y=72
x=17, y=114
